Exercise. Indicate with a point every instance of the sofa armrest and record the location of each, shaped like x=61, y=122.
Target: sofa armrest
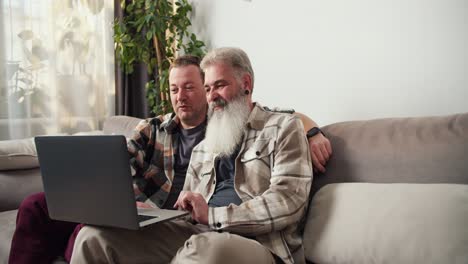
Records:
x=19, y=172
x=17, y=184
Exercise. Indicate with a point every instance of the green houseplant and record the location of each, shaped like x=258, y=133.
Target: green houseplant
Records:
x=153, y=32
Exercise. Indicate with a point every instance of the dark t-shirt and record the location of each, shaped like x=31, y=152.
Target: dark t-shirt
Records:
x=225, y=192
x=184, y=142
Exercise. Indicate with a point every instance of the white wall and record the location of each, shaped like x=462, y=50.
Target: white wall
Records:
x=338, y=60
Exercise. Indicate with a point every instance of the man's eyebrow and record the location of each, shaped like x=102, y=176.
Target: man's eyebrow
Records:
x=222, y=81
x=217, y=82
x=185, y=83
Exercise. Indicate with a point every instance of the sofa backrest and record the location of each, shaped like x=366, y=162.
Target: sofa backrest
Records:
x=120, y=125
x=398, y=150
x=391, y=150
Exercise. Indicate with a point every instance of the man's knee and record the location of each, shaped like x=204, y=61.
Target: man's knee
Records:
x=88, y=246
x=91, y=240
x=33, y=203
x=219, y=242
x=213, y=247
x=99, y=237
x=89, y=234
x=33, y=200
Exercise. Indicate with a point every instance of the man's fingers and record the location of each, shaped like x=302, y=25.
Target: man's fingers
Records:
x=325, y=154
x=321, y=151
x=200, y=208
x=183, y=201
x=195, y=204
x=178, y=204
x=316, y=163
x=186, y=203
x=318, y=153
x=328, y=146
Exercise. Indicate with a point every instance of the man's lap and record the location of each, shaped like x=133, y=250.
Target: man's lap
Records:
x=161, y=242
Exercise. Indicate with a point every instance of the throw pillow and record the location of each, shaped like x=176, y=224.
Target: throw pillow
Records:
x=18, y=154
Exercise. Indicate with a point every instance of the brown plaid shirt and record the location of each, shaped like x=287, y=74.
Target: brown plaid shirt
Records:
x=273, y=176
x=152, y=157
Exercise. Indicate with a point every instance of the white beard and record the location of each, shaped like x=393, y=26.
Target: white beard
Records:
x=226, y=126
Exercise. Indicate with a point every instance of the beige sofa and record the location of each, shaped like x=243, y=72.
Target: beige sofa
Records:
x=396, y=190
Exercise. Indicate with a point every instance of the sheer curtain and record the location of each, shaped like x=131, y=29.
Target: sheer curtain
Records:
x=56, y=66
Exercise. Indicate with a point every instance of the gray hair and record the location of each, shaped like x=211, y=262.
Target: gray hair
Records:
x=234, y=57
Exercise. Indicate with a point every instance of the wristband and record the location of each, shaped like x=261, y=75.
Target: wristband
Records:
x=313, y=131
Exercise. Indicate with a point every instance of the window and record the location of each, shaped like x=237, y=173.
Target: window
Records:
x=56, y=66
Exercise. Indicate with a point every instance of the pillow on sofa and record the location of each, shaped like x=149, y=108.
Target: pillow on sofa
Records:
x=388, y=223
x=18, y=154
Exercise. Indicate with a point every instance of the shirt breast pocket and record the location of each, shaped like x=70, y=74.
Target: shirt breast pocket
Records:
x=260, y=151
x=256, y=163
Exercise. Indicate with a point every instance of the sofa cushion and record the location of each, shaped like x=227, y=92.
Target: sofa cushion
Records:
x=7, y=227
x=388, y=223
x=18, y=154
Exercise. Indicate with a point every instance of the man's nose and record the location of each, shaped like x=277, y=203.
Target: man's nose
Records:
x=181, y=95
x=212, y=95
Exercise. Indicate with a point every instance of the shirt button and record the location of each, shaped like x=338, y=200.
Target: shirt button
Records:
x=218, y=225
x=257, y=153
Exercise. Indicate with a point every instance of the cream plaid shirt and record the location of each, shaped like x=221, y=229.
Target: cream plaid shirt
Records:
x=273, y=177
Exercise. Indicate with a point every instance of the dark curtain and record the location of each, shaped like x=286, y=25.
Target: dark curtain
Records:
x=130, y=99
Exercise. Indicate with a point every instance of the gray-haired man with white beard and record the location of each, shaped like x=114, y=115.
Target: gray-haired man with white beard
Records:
x=250, y=178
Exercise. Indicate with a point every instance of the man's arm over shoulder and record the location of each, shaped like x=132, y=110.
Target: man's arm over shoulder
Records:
x=320, y=146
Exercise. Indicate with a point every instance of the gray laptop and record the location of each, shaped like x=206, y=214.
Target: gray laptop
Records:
x=87, y=179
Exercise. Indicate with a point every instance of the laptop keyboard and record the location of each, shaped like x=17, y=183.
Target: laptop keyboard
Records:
x=142, y=218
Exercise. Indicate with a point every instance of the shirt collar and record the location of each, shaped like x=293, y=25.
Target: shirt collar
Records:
x=257, y=117
x=170, y=123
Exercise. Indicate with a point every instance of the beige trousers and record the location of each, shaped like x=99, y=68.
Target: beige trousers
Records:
x=169, y=242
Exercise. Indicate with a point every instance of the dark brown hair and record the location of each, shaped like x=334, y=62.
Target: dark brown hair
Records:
x=186, y=60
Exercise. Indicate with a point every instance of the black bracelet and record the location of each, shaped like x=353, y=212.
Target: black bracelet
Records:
x=313, y=131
